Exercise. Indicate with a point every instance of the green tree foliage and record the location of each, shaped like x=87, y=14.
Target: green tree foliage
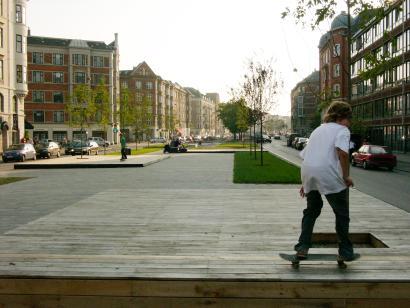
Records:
x=102, y=105
x=234, y=116
x=81, y=107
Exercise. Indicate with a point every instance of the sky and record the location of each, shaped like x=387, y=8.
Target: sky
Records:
x=203, y=44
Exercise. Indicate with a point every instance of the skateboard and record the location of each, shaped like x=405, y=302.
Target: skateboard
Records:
x=317, y=257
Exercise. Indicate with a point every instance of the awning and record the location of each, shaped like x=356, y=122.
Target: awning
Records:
x=28, y=125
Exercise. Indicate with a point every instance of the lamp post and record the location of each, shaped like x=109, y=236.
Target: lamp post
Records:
x=83, y=106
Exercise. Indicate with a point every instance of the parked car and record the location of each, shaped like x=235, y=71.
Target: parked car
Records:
x=47, y=149
x=264, y=139
x=291, y=138
x=300, y=143
x=19, y=152
x=295, y=140
x=86, y=148
x=158, y=140
x=175, y=146
x=100, y=141
x=374, y=156
x=276, y=137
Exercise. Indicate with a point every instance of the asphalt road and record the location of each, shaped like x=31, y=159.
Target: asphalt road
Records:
x=391, y=187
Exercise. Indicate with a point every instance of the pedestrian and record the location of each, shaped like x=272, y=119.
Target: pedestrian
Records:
x=123, y=147
x=325, y=171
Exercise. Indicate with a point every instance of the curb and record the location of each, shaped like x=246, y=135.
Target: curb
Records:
x=88, y=166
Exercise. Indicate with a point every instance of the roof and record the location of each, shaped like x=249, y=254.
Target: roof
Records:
x=193, y=92
x=73, y=43
x=312, y=78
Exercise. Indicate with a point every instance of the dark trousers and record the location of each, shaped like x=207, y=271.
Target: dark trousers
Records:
x=340, y=205
x=123, y=153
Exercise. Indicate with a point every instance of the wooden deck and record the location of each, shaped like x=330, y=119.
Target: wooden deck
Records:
x=199, y=247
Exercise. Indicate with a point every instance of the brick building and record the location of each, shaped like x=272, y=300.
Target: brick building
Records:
x=304, y=104
x=382, y=102
x=13, y=71
x=333, y=55
x=170, y=107
x=55, y=67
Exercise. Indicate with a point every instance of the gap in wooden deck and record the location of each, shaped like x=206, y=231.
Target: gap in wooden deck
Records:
x=359, y=240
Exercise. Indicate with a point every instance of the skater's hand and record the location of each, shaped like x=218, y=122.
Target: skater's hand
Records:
x=302, y=192
x=348, y=181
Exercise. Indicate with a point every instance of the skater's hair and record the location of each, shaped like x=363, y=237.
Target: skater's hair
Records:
x=338, y=110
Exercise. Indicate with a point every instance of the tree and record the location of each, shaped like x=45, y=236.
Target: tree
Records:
x=81, y=107
x=232, y=116
x=102, y=106
x=260, y=90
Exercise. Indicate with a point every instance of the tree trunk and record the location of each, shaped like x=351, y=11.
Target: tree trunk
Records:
x=250, y=141
x=254, y=139
x=261, y=142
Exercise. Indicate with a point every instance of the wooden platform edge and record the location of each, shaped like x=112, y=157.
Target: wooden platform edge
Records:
x=205, y=289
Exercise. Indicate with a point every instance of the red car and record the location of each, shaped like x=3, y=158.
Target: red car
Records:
x=374, y=156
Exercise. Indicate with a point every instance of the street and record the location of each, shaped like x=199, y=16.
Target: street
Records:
x=391, y=187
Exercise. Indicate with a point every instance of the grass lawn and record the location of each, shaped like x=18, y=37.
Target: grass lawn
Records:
x=140, y=151
x=229, y=145
x=8, y=180
x=274, y=170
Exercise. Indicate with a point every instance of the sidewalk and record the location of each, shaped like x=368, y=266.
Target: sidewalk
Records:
x=403, y=162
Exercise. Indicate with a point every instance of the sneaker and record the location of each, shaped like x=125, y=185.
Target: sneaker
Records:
x=302, y=254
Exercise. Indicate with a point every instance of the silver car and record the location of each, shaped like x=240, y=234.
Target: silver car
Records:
x=19, y=152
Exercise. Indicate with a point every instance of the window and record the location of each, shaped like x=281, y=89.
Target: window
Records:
x=336, y=50
x=38, y=57
x=149, y=97
x=1, y=37
x=60, y=136
x=148, y=85
x=336, y=90
x=58, y=77
x=58, y=97
x=138, y=97
x=336, y=70
x=20, y=14
x=37, y=77
x=138, y=84
x=79, y=77
x=58, y=59
x=124, y=84
x=1, y=103
x=80, y=60
x=38, y=116
x=38, y=96
x=97, y=78
x=98, y=61
x=58, y=116
x=299, y=106
x=19, y=43
x=1, y=70
x=20, y=74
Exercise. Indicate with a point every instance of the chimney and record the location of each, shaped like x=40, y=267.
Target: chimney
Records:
x=116, y=40
x=29, y=32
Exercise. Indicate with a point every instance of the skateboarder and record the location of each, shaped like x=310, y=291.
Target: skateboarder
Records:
x=123, y=147
x=325, y=171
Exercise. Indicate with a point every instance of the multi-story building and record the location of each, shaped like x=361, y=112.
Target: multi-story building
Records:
x=55, y=67
x=13, y=67
x=304, y=104
x=382, y=100
x=170, y=108
x=203, y=113
x=333, y=55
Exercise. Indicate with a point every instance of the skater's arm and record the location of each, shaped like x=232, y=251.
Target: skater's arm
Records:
x=344, y=163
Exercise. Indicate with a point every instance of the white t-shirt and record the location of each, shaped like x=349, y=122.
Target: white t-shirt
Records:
x=321, y=168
